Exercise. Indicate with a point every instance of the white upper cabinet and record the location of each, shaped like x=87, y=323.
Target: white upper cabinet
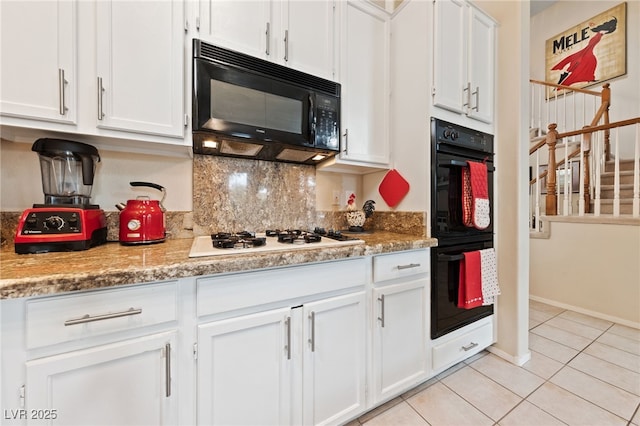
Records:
x=243, y=26
x=298, y=34
x=307, y=41
x=463, y=60
x=140, y=61
x=365, y=85
x=481, y=66
x=107, y=68
x=38, y=60
x=450, y=59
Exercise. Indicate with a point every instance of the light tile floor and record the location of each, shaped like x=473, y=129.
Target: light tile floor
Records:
x=583, y=371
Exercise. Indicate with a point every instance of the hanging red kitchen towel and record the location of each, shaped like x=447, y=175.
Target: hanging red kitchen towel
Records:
x=480, y=194
x=467, y=198
x=470, y=283
x=489, y=273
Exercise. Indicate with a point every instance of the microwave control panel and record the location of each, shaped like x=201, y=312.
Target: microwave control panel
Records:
x=327, y=128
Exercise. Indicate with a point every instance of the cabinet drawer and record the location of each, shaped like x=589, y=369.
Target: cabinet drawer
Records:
x=60, y=319
x=398, y=265
x=462, y=346
x=244, y=290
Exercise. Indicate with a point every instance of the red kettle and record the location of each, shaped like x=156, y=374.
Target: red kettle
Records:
x=142, y=220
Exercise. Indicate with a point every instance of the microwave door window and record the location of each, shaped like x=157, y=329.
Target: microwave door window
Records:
x=284, y=114
x=236, y=104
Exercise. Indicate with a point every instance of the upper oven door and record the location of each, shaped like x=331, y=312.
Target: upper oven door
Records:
x=446, y=202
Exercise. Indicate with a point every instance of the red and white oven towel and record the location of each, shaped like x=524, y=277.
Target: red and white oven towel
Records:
x=475, y=195
x=478, y=284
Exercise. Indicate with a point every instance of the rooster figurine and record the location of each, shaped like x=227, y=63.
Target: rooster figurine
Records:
x=368, y=208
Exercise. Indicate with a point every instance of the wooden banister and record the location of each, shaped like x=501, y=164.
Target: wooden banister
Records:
x=568, y=88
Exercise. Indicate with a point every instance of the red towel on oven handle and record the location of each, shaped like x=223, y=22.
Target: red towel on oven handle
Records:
x=480, y=194
x=470, y=281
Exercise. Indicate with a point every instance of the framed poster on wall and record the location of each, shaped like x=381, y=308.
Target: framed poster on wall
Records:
x=590, y=52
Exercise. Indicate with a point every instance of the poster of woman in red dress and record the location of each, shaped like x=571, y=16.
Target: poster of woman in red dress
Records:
x=590, y=52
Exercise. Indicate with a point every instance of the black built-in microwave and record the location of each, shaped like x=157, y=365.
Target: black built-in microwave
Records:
x=251, y=108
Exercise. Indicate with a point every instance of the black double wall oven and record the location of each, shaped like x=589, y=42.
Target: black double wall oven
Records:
x=452, y=146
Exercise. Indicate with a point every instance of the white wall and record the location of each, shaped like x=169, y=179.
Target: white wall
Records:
x=21, y=185
x=593, y=268
x=625, y=90
x=590, y=267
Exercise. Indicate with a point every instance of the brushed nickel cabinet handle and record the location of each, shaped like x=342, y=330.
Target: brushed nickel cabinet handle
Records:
x=167, y=369
x=468, y=90
x=346, y=141
x=88, y=318
x=62, y=82
x=469, y=346
x=268, y=35
x=312, y=340
x=100, y=94
x=381, y=317
x=286, y=45
x=477, y=95
x=287, y=324
x=409, y=266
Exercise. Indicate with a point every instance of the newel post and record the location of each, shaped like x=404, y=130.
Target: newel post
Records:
x=551, y=200
x=606, y=100
x=586, y=153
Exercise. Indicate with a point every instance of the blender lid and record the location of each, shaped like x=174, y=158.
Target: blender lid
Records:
x=45, y=146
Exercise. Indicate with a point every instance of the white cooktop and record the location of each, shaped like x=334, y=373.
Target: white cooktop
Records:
x=202, y=246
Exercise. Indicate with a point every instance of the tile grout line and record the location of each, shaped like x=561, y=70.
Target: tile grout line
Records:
x=566, y=365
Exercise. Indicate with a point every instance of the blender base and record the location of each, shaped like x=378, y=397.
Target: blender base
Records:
x=55, y=228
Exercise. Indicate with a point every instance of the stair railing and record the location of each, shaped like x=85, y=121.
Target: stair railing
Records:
x=579, y=147
x=592, y=146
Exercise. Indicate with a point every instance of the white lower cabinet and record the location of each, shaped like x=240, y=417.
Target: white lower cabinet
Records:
x=334, y=359
x=314, y=344
x=123, y=383
x=244, y=371
x=294, y=365
x=399, y=341
x=400, y=312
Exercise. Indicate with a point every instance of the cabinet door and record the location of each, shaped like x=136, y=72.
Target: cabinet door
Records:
x=244, y=370
x=125, y=383
x=310, y=37
x=450, y=89
x=481, y=65
x=400, y=337
x=38, y=60
x=364, y=76
x=243, y=26
x=334, y=359
x=140, y=59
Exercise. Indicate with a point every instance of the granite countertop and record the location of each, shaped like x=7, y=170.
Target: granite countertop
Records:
x=113, y=264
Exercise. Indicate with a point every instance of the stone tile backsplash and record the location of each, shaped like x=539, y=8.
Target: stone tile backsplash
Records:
x=232, y=194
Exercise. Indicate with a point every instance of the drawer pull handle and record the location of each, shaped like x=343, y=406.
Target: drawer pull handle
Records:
x=409, y=266
x=469, y=346
x=88, y=318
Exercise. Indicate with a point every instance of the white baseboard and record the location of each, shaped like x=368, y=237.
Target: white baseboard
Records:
x=578, y=309
x=518, y=360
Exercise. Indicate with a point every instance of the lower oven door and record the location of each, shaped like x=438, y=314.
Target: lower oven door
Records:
x=445, y=277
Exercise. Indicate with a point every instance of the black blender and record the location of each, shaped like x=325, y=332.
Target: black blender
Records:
x=66, y=221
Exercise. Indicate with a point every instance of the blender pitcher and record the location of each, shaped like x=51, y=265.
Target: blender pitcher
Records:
x=67, y=169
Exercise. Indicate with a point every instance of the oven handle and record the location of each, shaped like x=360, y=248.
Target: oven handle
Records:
x=456, y=163
x=450, y=258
